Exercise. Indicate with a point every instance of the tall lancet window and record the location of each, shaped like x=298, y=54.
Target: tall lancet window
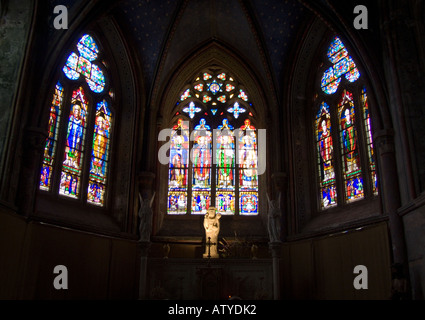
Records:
x=343, y=132
x=77, y=151
x=213, y=148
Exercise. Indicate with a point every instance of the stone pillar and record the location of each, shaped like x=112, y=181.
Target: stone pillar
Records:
x=145, y=189
x=144, y=249
x=145, y=183
x=280, y=180
x=33, y=146
x=275, y=248
x=389, y=191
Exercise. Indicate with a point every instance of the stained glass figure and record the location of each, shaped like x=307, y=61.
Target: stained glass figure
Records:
x=51, y=141
x=201, y=164
x=201, y=201
x=369, y=140
x=349, y=146
x=248, y=203
x=225, y=202
x=100, y=154
x=191, y=109
x=225, y=168
x=248, y=174
x=178, y=169
x=325, y=157
x=74, y=149
x=343, y=65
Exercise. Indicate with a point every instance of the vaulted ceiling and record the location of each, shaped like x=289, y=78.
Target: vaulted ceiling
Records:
x=262, y=33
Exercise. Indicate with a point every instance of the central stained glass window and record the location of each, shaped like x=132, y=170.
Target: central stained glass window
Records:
x=213, y=149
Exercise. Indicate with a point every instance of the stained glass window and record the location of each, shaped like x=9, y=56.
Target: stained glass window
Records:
x=351, y=168
x=343, y=132
x=248, y=172
x=81, y=160
x=342, y=65
x=369, y=142
x=202, y=165
x=100, y=154
x=222, y=169
x=225, y=146
x=52, y=139
x=325, y=150
x=178, y=169
x=74, y=150
x=212, y=90
x=82, y=64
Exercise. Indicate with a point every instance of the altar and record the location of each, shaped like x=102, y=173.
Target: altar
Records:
x=209, y=279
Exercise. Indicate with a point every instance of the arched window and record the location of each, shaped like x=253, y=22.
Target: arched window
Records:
x=213, y=149
x=344, y=144
x=76, y=155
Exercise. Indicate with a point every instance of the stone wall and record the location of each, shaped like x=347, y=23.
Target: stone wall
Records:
x=15, y=22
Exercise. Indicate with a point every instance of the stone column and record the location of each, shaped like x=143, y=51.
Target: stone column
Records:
x=280, y=180
x=33, y=146
x=389, y=191
x=275, y=248
x=145, y=189
x=144, y=249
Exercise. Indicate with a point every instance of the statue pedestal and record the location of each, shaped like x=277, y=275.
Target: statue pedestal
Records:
x=210, y=282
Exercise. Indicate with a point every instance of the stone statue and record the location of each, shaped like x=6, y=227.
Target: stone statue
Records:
x=212, y=229
x=145, y=215
x=274, y=216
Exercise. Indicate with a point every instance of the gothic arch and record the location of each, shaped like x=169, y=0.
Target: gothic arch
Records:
x=118, y=217
x=303, y=210
x=212, y=54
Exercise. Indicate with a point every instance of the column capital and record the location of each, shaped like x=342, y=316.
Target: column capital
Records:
x=384, y=141
x=35, y=139
x=145, y=181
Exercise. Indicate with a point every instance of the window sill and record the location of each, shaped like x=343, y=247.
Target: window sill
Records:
x=71, y=213
x=353, y=215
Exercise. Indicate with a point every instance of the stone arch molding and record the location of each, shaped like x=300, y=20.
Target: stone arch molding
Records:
x=211, y=55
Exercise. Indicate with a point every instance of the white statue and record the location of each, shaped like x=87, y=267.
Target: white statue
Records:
x=145, y=215
x=212, y=228
x=274, y=215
